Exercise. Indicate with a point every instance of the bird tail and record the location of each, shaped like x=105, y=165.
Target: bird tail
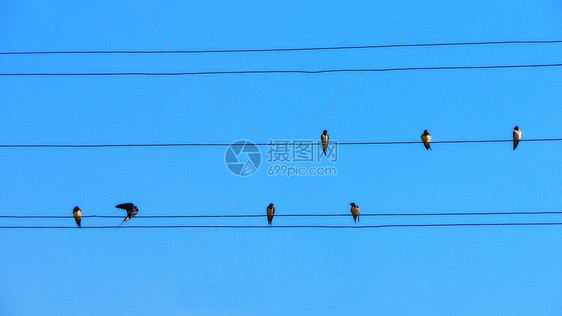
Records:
x=515, y=143
x=325, y=149
x=121, y=223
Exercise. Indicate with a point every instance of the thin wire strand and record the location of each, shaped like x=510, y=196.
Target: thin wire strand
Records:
x=205, y=82
x=250, y=72
x=278, y=49
x=348, y=91
x=363, y=240
x=271, y=144
x=290, y=215
x=290, y=226
x=193, y=245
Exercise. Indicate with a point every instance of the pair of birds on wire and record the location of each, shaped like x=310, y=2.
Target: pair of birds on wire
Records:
x=131, y=209
x=271, y=212
x=426, y=138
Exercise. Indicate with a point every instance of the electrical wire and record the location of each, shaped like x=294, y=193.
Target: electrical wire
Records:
x=270, y=143
x=290, y=226
x=289, y=215
x=249, y=72
x=279, y=49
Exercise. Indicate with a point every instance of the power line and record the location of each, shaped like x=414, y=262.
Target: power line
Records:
x=289, y=215
x=289, y=226
x=250, y=72
x=276, y=49
x=271, y=144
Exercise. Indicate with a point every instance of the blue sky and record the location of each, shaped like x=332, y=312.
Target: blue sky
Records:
x=486, y=270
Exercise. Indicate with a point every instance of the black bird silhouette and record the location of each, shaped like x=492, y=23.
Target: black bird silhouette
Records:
x=325, y=138
x=131, y=209
x=354, y=212
x=270, y=213
x=77, y=212
x=426, y=139
x=516, y=136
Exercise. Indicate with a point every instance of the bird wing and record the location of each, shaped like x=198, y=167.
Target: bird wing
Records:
x=516, y=138
x=77, y=215
x=355, y=212
x=125, y=206
x=426, y=139
x=270, y=213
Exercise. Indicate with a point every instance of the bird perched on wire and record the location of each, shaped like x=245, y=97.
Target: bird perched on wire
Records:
x=131, y=209
x=325, y=138
x=516, y=136
x=270, y=213
x=354, y=212
x=426, y=139
x=77, y=212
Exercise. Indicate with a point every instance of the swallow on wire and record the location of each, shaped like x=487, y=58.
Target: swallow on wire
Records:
x=516, y=136
x=77, y=212
x=131, y=209
x=426, y=139
x=270, y=213
x=325, y=138
x=354, y=212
